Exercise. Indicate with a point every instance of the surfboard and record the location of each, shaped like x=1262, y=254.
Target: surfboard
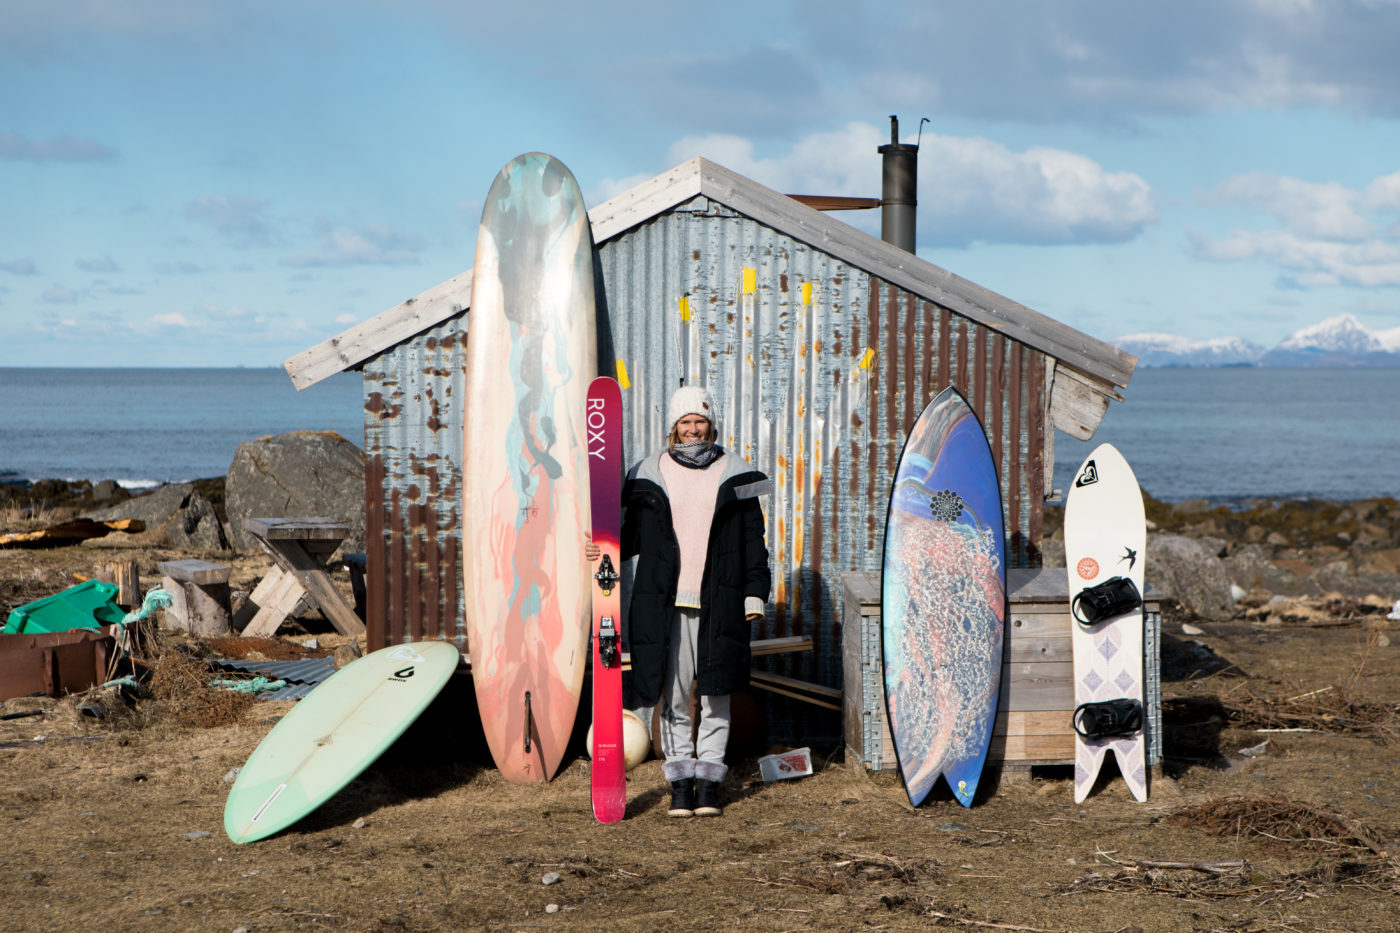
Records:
x=335, y=732
x=531, y=353
x=1105, y=537
x=943, y=603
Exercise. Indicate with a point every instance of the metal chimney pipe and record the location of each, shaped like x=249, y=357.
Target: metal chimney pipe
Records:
x=899, y=190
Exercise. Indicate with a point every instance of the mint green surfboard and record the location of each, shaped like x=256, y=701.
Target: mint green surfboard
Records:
x=333, y=734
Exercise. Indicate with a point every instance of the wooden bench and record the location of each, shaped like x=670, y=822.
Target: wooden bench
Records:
x=199, y=596
x=299, y=548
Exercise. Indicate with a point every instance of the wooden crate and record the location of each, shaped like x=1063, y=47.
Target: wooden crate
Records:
x=1037, y=675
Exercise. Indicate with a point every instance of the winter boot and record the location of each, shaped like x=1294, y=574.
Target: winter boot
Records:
x=682, y=798
x=707, y=798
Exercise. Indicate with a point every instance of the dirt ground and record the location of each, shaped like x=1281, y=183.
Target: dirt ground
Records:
x=116, y=824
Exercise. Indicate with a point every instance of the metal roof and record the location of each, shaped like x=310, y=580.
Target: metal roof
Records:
x=1102, y=362
x=301, y=676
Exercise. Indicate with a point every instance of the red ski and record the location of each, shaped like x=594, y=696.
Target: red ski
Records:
x=604, y=421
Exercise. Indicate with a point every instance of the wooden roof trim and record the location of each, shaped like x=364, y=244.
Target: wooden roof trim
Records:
x=1079, y=351
x=1099, y=361
x=356, y=344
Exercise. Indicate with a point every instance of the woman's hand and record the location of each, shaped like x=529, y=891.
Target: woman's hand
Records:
x=591, y=551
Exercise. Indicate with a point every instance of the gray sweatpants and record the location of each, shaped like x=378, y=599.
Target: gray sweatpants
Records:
x=702, y=755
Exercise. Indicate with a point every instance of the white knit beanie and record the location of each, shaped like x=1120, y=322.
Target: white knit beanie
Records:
x=691, y=400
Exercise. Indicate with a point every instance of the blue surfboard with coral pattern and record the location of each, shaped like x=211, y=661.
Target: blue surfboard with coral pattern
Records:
x=943, y=600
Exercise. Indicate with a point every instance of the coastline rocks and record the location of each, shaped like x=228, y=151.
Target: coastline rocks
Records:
x=1189, y=571
x=303, y=474
x=196, y=526
x=1251, y=569
x=153, y=508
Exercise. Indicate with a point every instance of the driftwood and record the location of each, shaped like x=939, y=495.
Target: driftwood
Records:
x=71, y=532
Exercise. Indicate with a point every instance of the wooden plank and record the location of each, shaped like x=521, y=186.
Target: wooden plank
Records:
x=784, y=645
x=774, y=688
x=195, y=571
x=1037, y=626
x=1044, y=686
x=285, y=598
x=1034, y=722
x=793, y=683
x=320, y=588
x=296, y=529
x=358, y=343
x=1026, y=650
x=1077, y=404
x=1035, y=747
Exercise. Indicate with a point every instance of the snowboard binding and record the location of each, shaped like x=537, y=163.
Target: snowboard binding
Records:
x=607, y=641
x=1115, y=596
x=1108, y=718
x=606, y=576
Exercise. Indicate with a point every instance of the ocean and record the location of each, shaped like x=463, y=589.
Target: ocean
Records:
x=1227, y=435
x=143, y=427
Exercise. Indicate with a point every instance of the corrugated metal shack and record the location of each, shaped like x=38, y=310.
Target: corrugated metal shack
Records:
x=827, y=341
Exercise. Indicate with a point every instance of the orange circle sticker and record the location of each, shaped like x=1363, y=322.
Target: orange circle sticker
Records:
x=1088, y=568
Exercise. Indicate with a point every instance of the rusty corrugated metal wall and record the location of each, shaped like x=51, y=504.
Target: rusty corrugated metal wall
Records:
x=413, y=394
x=818, y=369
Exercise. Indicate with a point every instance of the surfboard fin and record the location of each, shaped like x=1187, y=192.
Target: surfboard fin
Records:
x=528, y=722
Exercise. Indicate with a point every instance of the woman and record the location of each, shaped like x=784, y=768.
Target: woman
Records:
x=691, y=517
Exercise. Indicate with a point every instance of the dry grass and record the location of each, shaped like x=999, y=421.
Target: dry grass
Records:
x=1286, y=822
x=181, y=691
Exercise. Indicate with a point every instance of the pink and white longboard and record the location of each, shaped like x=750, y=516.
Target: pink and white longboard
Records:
x=1105, y=537
x=531, y=353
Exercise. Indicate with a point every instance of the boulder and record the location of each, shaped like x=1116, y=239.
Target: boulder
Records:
x=1251, y=569
x=303, y=474
x=154, y=508
x=196, y=526
x=1190, y=572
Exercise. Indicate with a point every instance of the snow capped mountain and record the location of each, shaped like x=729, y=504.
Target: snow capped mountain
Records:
x=1340, y=334
x=1155, y=349
x=1337, y=341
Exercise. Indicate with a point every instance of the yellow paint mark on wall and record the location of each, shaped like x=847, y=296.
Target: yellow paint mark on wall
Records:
x=806, y=293
x=750, y=280
x=684, y=305
x=867, y=359
x=622, y=380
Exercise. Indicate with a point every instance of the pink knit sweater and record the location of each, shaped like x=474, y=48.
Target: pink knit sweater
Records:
x=692, y=493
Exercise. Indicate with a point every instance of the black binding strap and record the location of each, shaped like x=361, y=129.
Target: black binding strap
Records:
x=1115, y=596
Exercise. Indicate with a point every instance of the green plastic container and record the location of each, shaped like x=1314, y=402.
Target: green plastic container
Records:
x=87, y=605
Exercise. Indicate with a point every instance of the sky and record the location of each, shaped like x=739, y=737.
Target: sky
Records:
x=228, y=183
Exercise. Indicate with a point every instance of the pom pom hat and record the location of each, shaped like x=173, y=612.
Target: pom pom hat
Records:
x=691, y=400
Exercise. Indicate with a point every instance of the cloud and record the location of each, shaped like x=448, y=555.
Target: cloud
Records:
x=970, y=189
x=1323, y=238
x=104, y=266
x=1327, y=210
x=1306, y=262
x=169, y=319
x=238, y=219
x=19, y=267
x=59, y=295
x=17, y=148
x=181, y=267
x=369, y=245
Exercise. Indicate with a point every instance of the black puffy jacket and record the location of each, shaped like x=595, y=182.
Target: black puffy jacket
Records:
x=736, y=566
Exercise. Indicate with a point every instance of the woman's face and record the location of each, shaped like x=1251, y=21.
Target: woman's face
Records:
x=692, y=428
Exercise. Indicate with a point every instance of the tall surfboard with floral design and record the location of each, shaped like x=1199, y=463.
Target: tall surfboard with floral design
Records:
x=943, y=604
x=531, y=353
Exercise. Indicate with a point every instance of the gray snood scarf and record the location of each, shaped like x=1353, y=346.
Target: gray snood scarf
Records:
x=696, y=454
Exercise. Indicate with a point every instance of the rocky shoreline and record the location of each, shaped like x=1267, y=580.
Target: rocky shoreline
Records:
x=1220, y=563
x=1215, y=561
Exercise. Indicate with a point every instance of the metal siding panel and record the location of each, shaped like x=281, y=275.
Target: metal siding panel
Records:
x=414, y=397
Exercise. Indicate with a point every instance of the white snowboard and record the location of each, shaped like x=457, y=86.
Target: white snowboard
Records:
x=1105, y=536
